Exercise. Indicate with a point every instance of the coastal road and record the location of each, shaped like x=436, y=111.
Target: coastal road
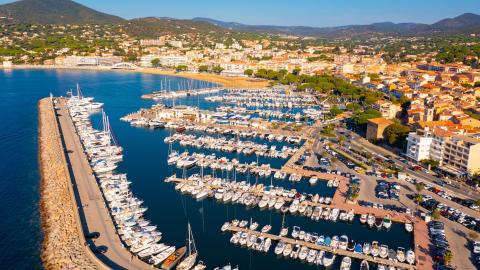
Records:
x=359, y=141
x=92, y=208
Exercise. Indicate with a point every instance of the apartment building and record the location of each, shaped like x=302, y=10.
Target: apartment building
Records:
x=387, y=108
x=463, y=153
x=419, y=144
x=458, y=152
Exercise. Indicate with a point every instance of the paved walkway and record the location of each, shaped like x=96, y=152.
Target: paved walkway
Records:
x=94, y=214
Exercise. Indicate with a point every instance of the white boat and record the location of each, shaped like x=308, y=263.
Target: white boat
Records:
x=189, y=261
x=401, y=254
x=383, y=251
x=313, y=180
x=411, y=256
x=364, y=265
x=375, y=249
x=346, y=263
x=409, y=226
x=312, y=256
x=157, y=259
x=280, y=247
x=328, y=259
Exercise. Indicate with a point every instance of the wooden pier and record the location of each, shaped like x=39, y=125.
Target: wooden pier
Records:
x=359, y=256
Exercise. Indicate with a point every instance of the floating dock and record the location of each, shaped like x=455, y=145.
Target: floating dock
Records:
x=359, y=256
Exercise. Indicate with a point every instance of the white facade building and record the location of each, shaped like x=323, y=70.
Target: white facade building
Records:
x=418, y=146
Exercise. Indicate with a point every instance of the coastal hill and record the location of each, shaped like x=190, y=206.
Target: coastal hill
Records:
x=67, y=12
x=53, y=12
x=465, y=23
x=154, y=27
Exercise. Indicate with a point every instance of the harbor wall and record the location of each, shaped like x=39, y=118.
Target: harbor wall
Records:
x=63, y=243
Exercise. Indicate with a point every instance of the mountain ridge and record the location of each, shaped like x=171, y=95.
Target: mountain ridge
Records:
x=467, y=22
x=53, y=12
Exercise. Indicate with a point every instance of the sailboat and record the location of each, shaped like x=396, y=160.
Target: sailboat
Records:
x=192, y=254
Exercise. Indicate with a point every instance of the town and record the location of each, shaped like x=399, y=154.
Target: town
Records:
x=357, y=150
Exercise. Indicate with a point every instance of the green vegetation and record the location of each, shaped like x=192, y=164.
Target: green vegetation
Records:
x=448, y=256
x=436, y=214
x=328, y=130
x=155, y=62
x=217, y=69
x=181, y=68
x=361, y=118
x=432, y=163
x=396, y=133
x=248, y=72
x=420, y=187
x=334, y=111
x=203, y=68
x=321, y=57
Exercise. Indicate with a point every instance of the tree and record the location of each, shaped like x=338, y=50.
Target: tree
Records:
x=361, y=118
x=335, y=111
x=396, y=133
x=248, y=72
x=420, y=187
x=448, y=256
x=436, y=214
x=296, y=71
x=418, y=198
x=181, y=68
x=203, y=68
x=155, y=62
x=217, y=69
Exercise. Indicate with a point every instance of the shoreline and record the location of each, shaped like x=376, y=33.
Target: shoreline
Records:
x=239, y=82
x=62, y=245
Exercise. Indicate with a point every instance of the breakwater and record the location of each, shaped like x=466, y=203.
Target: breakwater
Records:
x=63, y=243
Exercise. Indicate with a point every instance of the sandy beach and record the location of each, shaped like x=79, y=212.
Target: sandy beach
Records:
x=234, y=82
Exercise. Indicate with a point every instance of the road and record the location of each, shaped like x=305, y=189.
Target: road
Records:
x=374, y=149
x=94, y=214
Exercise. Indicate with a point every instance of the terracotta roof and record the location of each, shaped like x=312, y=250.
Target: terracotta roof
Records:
x=380, y=121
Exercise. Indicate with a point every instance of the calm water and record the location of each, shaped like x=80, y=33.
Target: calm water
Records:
x=145, y=162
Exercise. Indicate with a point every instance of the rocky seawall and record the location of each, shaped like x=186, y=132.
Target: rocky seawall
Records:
x=63, y=246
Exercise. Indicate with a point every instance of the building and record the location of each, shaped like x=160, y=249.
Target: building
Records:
x=176, y=44
x=387, y=108
x=7, y=64
x=153, y=42
x=418, y=145
x=376, y=127
x=454, y=152
x=72, y=61
x=462, y=153
x=172, y=60
x=146, y=60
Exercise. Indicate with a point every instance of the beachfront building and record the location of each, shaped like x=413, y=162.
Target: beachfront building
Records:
x=418, y=145
x=107, y=61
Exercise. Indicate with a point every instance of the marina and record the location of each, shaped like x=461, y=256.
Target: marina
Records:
x=312, y=250
x=141, y=161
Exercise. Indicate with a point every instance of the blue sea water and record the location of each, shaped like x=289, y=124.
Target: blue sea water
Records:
x=145, y=163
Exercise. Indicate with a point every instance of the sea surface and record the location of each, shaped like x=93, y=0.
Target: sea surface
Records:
x=145, y=163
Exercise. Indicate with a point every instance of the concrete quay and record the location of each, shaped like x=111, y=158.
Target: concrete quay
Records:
x=92, y=209
x=63, y=244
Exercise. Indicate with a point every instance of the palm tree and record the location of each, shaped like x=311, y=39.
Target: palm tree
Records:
x=448, y=256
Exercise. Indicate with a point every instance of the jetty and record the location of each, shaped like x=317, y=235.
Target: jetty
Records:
x=90, y=204
x=63, y=242
x=287, y=240
x=164, y=94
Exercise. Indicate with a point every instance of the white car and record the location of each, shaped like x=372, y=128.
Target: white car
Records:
x=476, y=247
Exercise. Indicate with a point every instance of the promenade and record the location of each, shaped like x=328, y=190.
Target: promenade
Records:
x=92, y=207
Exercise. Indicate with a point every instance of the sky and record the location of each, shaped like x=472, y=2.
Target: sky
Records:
x=290, y=12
